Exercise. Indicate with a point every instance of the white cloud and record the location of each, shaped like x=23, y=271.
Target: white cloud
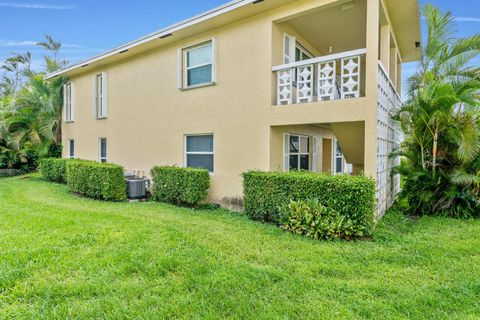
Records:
x=11, y=43
x=34, y=6
x=467, y=19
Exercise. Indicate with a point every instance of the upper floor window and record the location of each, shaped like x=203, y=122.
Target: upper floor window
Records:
x=198, y=63
x=199, y=152
x=100, y=96
x=293, y=51
x=68, y=108
x=103, y=150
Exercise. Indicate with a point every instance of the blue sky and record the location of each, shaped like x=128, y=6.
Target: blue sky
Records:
x=89, y=27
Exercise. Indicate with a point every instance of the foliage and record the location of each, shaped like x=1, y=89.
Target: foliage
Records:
x=180, y=186
x=103, y=181
x=265, y=193
x=106, y=260
x=30, y=109
x=441, y=120
x=7, y=173
x=312, y=219
x=54, y=169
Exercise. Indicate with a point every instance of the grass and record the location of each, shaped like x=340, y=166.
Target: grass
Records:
x=62, y=256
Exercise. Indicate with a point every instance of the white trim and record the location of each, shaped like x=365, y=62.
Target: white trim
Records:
x=185, y=153
x=233, y=5
x=100, y=105
x=292, y=43
x=321, y=59
x=64, y=103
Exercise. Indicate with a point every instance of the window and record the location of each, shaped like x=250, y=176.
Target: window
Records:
x=71, y=148
x=68, y=95
x=199, y=65
x=103, y=150
x=301, y=53
x=199, y=152
x=293, y=51
x=339, y=163
x=100, y=96
x=297, y=152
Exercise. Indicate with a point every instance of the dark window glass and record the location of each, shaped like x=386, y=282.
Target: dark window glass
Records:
x=294, y=144
x=200, y=143
x=293, y=162
x=72, y=148
x=304, y=162
x=204, y=161
x=199, y=75
x=103, y=150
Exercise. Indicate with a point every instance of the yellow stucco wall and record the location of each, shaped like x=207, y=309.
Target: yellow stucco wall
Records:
x=148, y=115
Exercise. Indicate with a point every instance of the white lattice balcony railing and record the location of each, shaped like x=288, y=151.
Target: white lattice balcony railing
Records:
x=332, y=77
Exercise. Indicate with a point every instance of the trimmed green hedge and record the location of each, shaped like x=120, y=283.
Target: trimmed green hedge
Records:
x=54, y=169
x=265, y=193
x=102, y=181
x=7, y=173
x=180, y=186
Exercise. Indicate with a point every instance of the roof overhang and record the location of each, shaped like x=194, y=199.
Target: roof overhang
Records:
x=405, y=19
x=227, y=13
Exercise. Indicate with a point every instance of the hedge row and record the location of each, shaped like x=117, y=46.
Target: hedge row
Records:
x=54, y=169
x=266, y=193
x=7, y=173
x=102, y=181
x=180, y=186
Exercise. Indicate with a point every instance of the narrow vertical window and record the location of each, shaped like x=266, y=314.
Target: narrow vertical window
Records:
x=199, y=65
x=199, y=152
x=68, y=102
x=100, y=96
x=103, y=150
x=71, y=148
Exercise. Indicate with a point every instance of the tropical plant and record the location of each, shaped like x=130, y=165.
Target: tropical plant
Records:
x=441, y=120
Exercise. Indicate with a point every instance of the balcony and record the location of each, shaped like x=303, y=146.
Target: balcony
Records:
x=325, y=78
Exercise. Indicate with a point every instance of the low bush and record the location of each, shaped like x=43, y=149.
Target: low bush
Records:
x=312, y=219
x=353, y=197
x=54, y=169
x=180, y=186
x=7, y=173
x=103, y=181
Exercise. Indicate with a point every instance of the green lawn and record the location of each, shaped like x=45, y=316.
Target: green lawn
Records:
x=62, y=256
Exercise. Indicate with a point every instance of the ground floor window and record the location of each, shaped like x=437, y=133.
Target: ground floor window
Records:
x=199, y=151
x=340, y=164
x=71, y=148
x=297, y=152
x=103, y=150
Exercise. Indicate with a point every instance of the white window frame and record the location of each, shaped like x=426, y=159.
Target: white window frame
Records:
x=100, y=103
x=183, y=68
x=69, y=102
x=286, y=151
x=71, y=155
x=100, y=158
x=185, y=152
x=303, y=50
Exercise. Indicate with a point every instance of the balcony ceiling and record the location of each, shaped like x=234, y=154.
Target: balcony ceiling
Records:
x=405, y=20
x=343, y=27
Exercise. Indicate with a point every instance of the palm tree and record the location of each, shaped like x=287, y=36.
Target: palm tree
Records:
x=441, y=120
x=51, y=45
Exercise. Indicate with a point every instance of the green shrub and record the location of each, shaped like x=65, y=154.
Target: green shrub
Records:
x=265, y=193
x=7, y=173
x=180, y=186
x=102, y=181
x=312, y=219
x=54, y=169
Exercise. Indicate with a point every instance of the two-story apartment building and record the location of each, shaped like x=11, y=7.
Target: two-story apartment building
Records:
x=270, y=85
